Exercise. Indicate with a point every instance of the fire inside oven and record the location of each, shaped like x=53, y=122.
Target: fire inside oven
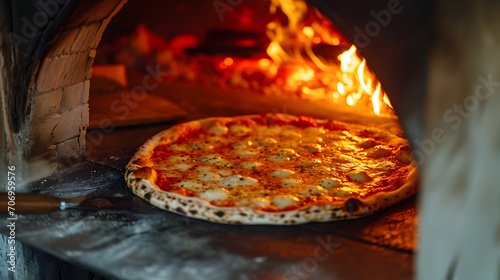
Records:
x=284, y=54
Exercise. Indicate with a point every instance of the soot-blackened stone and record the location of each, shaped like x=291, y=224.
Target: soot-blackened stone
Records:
x=352, y=205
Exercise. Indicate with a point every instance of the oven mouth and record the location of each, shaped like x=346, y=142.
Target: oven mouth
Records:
x=291, y=52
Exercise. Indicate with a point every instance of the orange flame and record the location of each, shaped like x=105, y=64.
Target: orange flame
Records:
x=376, y=100
x=308, y=32
x=313, y=76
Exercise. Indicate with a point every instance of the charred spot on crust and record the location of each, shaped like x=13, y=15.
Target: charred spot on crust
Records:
x=148, y=195
x=194, y=212
x=219, y=214
x=143, y=187
x=352, y=205
x=138, y=179
x=179, y=210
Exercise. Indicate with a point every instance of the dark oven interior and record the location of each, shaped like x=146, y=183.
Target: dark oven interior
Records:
x=96, y=79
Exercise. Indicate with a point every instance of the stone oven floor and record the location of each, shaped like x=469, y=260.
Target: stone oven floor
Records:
x=147, y=243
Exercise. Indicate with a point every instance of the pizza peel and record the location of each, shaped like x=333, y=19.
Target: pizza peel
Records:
x=43, y=203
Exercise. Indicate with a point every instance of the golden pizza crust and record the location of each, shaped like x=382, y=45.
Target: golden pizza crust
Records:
x=140, y=177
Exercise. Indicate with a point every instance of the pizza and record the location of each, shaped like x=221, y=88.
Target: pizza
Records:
x=272, y=169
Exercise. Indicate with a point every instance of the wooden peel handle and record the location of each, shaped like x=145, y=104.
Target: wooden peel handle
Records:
x=28, y=203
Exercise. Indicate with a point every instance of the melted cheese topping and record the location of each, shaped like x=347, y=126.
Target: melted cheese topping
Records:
x=280, y=167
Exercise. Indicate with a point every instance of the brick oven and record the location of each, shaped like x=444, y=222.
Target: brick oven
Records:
x=47, y=54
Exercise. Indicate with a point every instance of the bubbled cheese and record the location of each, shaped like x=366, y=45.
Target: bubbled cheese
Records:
x=290, y=134
x=179, y=158
x=218, y=129
x=361, y=176
x=209, y=176
x=267, y=142
x=283, y=155
x=278, y=158
x=290, y=183
x=182, y=166
x=310, y=148
x=314, y=130
x=240, y=130
x=251, y=165
x=312, y=190
x=244, y=153
x=189, y=184
x=212, y=158
x=237, y=180
x=254, y=202
x=179, y=148
x=313, y=162
x=242, y=144
x=201, y=146
x=329, y=183
x=282, y=173
x=214, y=194
x=284, y=201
